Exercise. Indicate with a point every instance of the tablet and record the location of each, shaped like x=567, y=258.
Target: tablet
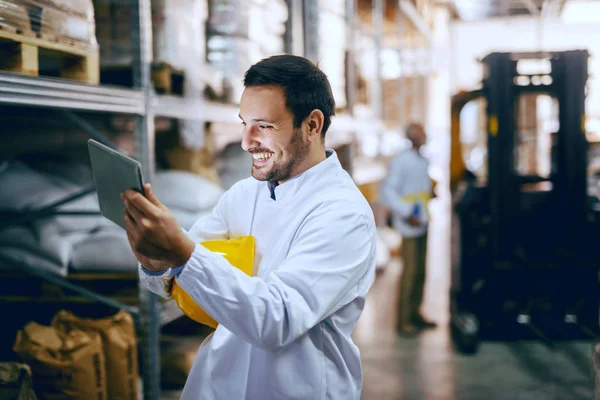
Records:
x=114, y=173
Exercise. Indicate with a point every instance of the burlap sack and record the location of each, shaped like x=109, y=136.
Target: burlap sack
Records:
x=64, y=365
x=120, y=349
x=15, y=382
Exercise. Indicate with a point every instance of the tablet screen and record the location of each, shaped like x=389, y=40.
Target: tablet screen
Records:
x=114, y=173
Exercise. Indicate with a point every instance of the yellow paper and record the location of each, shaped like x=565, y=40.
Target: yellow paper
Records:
x=422, y=197
x=240, y=254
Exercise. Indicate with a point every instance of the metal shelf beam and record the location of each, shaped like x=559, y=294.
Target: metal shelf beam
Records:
x=194, y=109
x=57, y=93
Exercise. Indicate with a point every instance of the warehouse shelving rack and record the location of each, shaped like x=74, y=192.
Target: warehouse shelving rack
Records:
x=138, y=101
x=141, y=101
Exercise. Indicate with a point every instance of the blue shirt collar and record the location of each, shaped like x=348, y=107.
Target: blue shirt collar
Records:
x=273, y=184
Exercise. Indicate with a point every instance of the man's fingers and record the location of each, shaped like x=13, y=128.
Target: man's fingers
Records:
x=141, y=244
x=130, y=226
x=138, y=231
x=140, y=202
x=134, y=213
x=140, y=257
x=150, y=196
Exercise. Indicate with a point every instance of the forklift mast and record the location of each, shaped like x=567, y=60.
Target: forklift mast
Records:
x=569, y=75
x=524, y=259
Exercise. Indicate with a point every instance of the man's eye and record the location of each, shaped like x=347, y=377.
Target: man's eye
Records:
x=264, y=126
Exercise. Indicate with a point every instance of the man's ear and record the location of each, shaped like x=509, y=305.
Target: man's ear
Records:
x=314, y=122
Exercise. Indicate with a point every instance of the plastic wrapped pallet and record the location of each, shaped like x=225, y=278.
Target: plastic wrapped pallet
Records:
x=14, y=16
x=229, y=17
x=332, y=47
x=68, y=21
x=242, y=33
x=267, y=26
x=65, y=366
x=178, y=33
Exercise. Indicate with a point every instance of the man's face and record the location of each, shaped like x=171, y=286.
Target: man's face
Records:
x=269, y=135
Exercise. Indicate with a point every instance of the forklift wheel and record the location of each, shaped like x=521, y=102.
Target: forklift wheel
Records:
x=465, y=333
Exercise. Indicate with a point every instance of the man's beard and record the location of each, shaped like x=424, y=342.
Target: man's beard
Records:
x=297, y=151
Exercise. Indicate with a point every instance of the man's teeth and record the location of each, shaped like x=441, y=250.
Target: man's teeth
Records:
x=261, y=156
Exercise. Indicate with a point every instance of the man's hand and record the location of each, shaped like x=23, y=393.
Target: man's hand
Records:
x=414, y=221
x=147, y=263
x=154, y=235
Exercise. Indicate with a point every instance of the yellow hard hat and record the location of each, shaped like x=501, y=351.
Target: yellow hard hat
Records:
x=239, y=252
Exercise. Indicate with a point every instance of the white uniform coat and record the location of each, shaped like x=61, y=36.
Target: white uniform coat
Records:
x=284, y=333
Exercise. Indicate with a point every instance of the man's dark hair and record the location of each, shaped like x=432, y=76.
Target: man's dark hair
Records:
x=305, y=86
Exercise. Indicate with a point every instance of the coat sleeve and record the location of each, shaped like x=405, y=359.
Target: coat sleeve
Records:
x=332, y=253
x=211, y=226
x=391, y=190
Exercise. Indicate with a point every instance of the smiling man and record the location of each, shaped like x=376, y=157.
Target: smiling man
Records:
x=285, y=332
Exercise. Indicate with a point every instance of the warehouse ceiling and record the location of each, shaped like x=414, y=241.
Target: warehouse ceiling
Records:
x=473, y=10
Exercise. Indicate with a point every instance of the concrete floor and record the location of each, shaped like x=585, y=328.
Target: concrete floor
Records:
x=427, y=367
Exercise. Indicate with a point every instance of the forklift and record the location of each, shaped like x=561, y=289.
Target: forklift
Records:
x=525, y=220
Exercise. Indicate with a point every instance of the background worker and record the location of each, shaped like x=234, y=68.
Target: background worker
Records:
x=407, y=190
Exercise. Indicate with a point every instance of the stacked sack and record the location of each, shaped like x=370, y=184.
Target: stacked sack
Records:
x=79, y=358
x=65, y=365
x=83, y=243
x=188, y=196
x=46, y=243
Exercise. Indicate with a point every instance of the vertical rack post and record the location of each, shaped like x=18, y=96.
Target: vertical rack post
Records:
x=417, y=85
x=311, y=30
x=351, y=81
x=377, y=92
x=401, y=98
x=148, y=324
x=294, y=28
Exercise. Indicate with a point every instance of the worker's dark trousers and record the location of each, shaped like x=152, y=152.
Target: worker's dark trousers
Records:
x=412, y=282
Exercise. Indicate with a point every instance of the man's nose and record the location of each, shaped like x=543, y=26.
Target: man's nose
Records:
x=249, y=138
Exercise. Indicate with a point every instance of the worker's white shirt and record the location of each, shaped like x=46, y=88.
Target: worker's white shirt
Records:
x=408, y=183
x=285, y=333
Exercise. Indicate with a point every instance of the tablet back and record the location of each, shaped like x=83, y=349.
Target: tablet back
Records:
x=114, y=173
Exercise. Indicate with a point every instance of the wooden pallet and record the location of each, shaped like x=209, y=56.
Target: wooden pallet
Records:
x=166, y=79
x=21, y=52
